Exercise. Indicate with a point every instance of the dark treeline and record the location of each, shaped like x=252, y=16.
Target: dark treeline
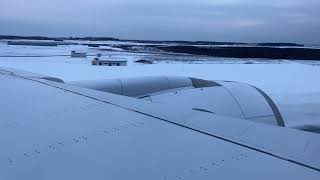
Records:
x=57, y=38
x=142, y=41
x=248, y=52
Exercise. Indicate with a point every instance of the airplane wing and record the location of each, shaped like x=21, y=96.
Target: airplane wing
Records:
x=51, y=130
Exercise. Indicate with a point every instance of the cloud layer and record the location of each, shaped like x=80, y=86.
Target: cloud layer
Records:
x=215, y=20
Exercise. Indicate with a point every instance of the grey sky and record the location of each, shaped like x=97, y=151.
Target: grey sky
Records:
x=215, y=20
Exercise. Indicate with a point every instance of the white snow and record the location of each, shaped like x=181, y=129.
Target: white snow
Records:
x=290, y=84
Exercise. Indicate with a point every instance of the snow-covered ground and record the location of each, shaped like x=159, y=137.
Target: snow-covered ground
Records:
x=294, y=86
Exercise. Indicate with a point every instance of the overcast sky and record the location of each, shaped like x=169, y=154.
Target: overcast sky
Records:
x=209, y=20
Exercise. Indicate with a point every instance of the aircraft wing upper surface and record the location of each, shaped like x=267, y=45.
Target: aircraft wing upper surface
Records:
x=50, y=130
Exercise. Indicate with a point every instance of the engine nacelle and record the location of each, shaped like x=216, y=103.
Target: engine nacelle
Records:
x=226, y=98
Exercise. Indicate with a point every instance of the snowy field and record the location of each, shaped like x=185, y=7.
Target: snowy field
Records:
x=293, y=85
